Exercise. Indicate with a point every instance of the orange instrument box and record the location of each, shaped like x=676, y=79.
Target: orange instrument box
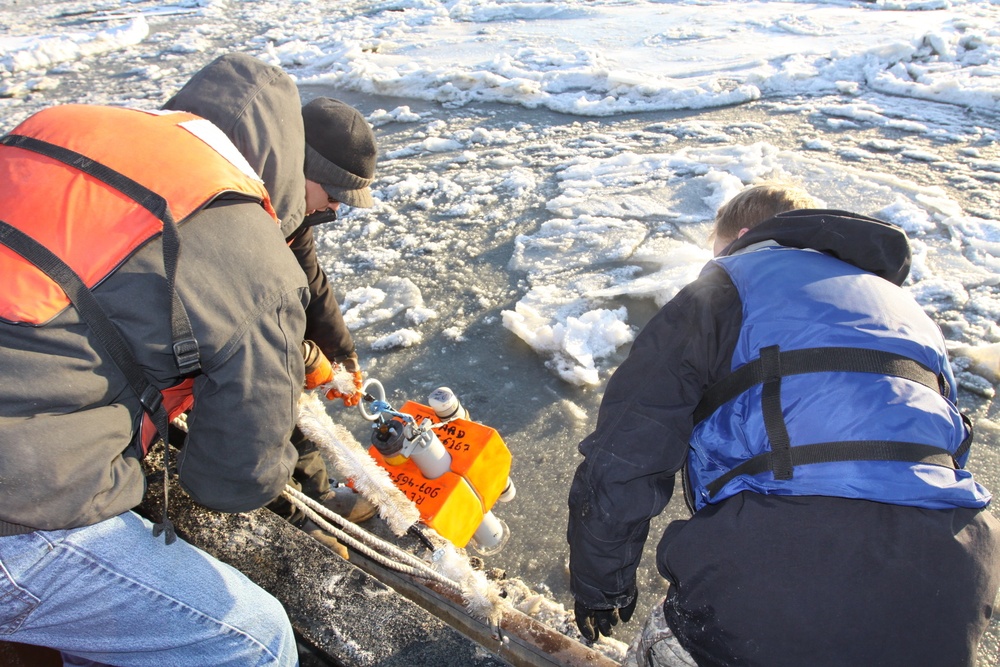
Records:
x=454, y=504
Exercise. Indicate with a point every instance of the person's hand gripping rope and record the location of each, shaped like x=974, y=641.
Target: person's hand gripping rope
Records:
x=342, y=379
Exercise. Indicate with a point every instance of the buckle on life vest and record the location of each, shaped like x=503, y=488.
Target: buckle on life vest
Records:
x=151, y=399
x=187, y=357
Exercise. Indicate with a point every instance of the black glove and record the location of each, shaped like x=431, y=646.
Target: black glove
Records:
x=596, y=622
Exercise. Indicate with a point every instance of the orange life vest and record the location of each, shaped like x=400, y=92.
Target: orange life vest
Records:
x=88, y=223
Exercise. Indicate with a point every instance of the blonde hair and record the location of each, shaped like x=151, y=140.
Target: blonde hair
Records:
x=756, y=204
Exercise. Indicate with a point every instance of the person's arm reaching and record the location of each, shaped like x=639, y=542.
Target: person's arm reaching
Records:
x=641, y=441
x=246, y=297
x=238, y=456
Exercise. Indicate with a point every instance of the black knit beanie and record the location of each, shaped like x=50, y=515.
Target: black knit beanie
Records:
x=340, y=150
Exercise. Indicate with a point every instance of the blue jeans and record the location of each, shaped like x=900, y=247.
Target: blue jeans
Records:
x=111, y=593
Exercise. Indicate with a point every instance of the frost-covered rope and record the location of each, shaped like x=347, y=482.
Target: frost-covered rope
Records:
x=368, y=478
x=355, y=537
x=451, y=568
x=400, y=560
x=482, y=599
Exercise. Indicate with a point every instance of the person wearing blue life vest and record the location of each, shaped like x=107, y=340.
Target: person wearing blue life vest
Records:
x=807, y=405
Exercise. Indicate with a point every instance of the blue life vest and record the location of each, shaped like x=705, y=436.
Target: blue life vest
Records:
x=841, y=387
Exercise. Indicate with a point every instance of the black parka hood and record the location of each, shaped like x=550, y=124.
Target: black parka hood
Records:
x=869, y=244
x=258, y=107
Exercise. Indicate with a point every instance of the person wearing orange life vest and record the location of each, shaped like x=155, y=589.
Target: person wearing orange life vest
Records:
x=312, y=159
x=91, y=200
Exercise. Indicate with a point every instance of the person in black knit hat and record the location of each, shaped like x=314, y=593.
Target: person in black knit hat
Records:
x=340, y=156
x=340, y=151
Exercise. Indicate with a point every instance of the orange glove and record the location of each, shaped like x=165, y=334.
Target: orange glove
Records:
x=353, y=398
x=319, y=370
x=349, y=363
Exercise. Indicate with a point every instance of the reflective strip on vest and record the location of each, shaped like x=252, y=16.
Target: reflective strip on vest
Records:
x=90, y=226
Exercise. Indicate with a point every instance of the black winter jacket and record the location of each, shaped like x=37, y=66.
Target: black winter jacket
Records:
x=258, y=107
x=71, y=464
x=765, y=580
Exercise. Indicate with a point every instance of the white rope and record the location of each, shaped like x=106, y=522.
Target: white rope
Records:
x=482, y=599
x=368, y=478
x=405, y=562
x=451, y=567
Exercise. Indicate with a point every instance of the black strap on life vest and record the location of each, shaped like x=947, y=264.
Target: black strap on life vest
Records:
x=833, y=452
x=819, y=360
x=772, y=365
x=774, y=420
x=185, y=347
x=107, y=333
